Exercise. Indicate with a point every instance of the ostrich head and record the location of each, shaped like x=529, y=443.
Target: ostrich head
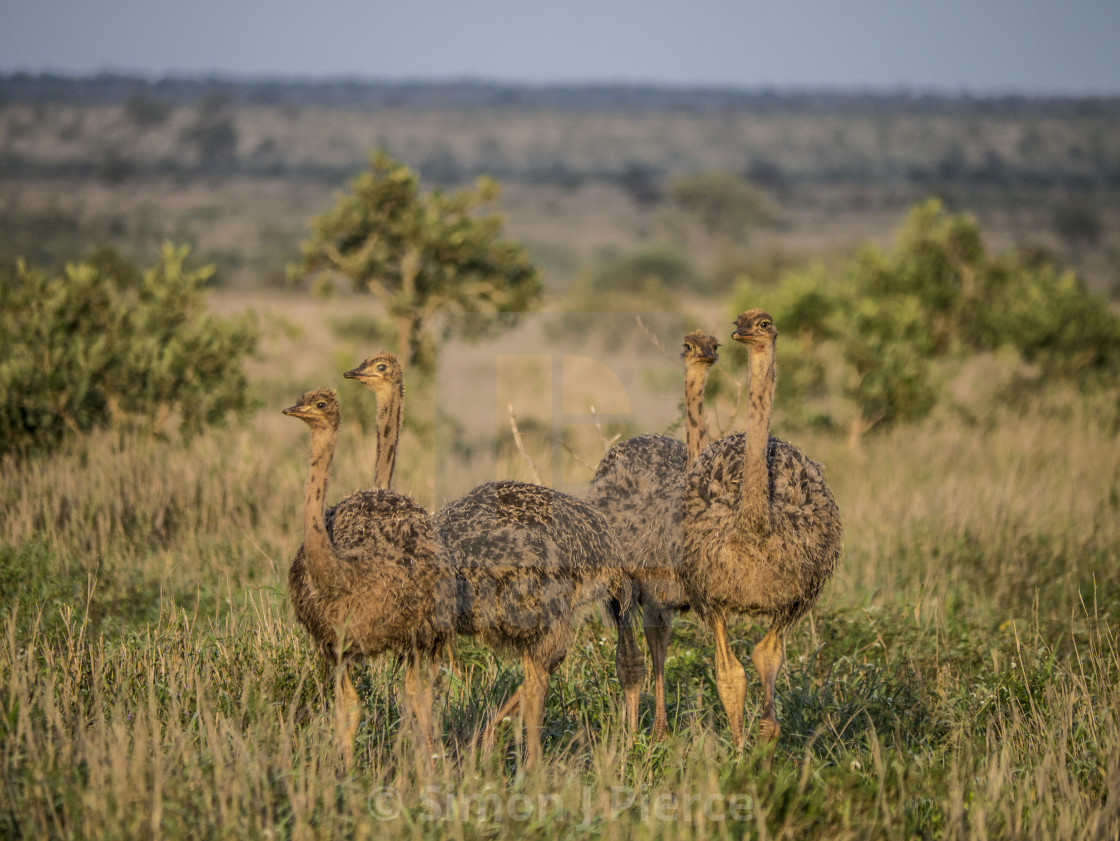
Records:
x=700, y=349
x=755, y=328
x=318, y=408
x=382, y=372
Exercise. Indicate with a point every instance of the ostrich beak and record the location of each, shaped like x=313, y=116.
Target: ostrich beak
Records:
x=298, y=411
x=364, y=375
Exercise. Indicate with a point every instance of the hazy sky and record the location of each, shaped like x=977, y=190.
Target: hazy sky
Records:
x=982, y=46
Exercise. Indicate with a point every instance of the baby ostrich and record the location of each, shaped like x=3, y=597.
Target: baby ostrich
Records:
x=528, y=561
x=762, y=533
x=364, y=580
x=524, y=562
x=638, y=488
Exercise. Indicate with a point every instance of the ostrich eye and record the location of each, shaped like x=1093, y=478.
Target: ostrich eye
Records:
x=764, y=324
x=320, y=405
x=382, y=367
x=687, y=346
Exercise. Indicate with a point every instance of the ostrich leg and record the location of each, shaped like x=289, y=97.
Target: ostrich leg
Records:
x=418, y=699
x=348, y=711
x=534, y=692
x=659, y=628
x=630, y=665
x=731, y=681
x=768, y=657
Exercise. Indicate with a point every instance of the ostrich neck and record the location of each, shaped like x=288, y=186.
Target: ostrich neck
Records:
x=389, y=413
x=696, y=430
x=754, y=507
x=316, y=544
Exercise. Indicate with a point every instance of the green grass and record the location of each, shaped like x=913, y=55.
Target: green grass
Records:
x=212, y=727
x=960, y=679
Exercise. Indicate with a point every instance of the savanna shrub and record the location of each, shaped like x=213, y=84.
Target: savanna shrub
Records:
x=646, y=270
x=938, y=295
x=104, y=343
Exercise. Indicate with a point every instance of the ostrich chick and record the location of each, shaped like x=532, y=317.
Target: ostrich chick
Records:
x=529, y=561
x=638, y=487
x=363, y=583
x=382, y=373
x=762, y=533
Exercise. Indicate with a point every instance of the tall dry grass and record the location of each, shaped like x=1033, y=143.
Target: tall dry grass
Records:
x=959, y=679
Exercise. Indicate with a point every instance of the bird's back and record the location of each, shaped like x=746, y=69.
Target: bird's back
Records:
x=383, y=592
x=638, y=488
x=527, y=558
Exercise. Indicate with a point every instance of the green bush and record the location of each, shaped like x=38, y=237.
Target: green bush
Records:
x=723, y=205
x=645, y=270
x=104, y=343
x=1051, y=318
x=938, y=295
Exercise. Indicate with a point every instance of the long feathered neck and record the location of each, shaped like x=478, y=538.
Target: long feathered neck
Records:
x=754, y=505
x=390, y=411
x=316, y=544
x=696, y=428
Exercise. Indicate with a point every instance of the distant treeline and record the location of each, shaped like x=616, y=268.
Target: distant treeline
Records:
x=109, y=88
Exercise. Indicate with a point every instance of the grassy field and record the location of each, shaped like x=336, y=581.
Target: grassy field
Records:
x=960, y=678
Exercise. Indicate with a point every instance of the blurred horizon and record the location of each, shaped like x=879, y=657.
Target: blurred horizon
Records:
x=791, y=90
x=1031, y=47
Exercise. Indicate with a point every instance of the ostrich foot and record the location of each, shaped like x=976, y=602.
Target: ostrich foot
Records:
x=768, y=730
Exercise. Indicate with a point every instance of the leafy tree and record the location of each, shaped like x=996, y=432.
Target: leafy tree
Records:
x=104, y=343
x=1050, y=317
x=642, y=183
x=721, y=204
x=939, y=259
x=887, y=345
x=420, y=255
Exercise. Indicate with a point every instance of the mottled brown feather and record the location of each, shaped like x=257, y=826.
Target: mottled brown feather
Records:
x=528, y=562
x=779, y=576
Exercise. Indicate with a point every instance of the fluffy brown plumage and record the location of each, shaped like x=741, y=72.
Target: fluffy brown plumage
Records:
x=528, y=561
x=364, y=580
x=762, y=533
x=638, y=487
